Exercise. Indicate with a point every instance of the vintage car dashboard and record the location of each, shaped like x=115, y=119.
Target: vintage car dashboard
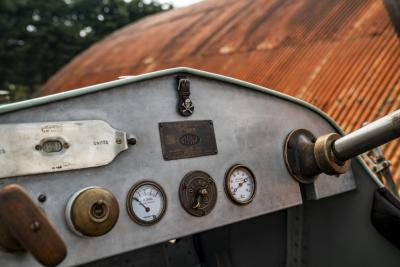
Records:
x=142, y=160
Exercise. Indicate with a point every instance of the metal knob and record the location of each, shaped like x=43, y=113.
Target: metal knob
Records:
x=92, y=211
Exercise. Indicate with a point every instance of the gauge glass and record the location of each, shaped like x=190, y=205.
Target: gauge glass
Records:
x=146, y=203
x=240, y=184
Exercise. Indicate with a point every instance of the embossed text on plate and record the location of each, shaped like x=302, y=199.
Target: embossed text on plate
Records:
x=32, y=148
x=187, y=139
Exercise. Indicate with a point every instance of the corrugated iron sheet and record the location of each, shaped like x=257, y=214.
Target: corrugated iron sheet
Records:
x=342, y=56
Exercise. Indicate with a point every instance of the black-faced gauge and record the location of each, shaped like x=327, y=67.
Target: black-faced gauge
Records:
x=146, y=203
x=240, y=184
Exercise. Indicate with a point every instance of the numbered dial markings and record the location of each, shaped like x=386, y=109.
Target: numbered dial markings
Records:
x=146, y=203
x=240, y=184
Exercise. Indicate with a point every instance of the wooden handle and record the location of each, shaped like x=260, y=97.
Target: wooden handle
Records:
x=28, y=224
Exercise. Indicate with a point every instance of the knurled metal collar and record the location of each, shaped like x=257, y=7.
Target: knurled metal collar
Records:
x=325, y=158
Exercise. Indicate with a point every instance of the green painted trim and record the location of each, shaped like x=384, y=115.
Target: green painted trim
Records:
x=109, y=85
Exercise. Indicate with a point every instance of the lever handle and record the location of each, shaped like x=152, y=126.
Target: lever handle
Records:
x=27, y=224
x=372, y=135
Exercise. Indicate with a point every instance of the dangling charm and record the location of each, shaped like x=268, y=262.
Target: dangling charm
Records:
x=185, y=104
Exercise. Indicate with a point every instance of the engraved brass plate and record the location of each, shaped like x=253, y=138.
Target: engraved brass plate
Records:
x=187, y=139
x=32, y=148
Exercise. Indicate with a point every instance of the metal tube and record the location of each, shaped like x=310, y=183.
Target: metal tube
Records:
x=370, y=136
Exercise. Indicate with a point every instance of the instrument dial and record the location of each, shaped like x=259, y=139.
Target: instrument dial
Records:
x=198, y=193
x=146, y=203
x=240, y=184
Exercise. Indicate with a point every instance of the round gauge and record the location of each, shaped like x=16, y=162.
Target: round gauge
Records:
x=146, y=203
x=240, y=184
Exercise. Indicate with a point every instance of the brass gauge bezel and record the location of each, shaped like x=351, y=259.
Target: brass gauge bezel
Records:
x=129, y=199
x=191, y=184
x=228, y=191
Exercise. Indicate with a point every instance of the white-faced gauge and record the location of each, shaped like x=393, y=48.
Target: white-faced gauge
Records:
x=146, y=203
x=240, y=184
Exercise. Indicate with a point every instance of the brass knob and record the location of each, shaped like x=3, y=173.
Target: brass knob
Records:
x=199, y=196
x=93, y=211
x=24, y=226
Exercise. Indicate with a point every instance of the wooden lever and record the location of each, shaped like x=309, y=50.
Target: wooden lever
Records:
x=24, y=223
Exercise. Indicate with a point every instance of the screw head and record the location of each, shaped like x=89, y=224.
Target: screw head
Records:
x=35, y=226
x=42, y=198
x=131, y=140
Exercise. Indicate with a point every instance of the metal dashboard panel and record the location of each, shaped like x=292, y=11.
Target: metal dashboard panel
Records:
x=94, y=144
x=250, y=128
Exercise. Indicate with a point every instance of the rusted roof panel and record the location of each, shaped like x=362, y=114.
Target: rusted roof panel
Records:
x=342, y=56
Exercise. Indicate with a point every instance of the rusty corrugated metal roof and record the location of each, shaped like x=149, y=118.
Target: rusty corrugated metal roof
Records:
x=342, y=56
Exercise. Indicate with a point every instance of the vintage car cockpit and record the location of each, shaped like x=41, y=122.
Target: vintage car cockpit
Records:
x=186, y=168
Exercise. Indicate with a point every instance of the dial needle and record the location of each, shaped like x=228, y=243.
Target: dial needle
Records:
x=239, y=185
x=147, y=209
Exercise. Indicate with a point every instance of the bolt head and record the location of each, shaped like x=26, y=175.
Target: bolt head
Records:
x=42, y=198
x=131, y=140
x=35, y=226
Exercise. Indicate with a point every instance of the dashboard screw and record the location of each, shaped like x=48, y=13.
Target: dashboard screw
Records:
x=42, y=198
x=35, y=226
x=131, y=139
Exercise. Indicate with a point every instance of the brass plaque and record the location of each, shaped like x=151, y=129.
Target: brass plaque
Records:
x=187, y=139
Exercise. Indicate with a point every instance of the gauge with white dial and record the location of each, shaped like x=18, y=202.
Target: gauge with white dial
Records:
x=146, y=203
x=240, y=184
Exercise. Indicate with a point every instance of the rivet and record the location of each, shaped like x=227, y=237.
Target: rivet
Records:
x=35, y=226
x=131, y=140
x=42, y=198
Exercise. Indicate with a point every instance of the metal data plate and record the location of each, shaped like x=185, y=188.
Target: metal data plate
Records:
x=32, y=148
x=187, y=139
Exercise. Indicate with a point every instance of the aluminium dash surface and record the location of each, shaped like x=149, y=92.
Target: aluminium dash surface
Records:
x=342, y=56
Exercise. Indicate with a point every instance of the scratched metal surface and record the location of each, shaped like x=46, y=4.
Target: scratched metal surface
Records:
x=250, y=128
x=342, y=56
x=94, y=144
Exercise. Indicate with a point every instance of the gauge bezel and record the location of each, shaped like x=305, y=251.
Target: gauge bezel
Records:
x=129, y=199
x=228, y=191
x=184, y=189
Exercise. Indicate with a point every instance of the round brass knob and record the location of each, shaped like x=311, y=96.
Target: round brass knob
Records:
x=93, y=211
